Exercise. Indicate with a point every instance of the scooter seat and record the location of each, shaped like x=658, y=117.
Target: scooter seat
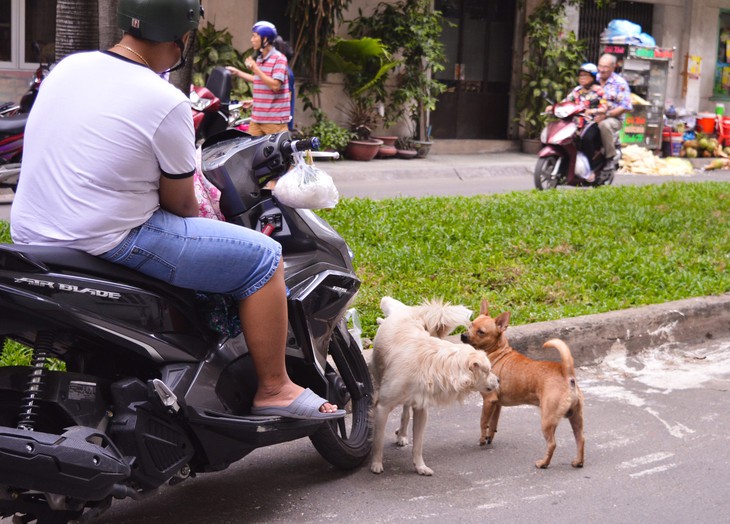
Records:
x=13, y=125
x=65, y=259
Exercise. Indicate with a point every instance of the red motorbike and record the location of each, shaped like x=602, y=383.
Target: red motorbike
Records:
x=560, y=161
x=213, y=109
x=12, y=127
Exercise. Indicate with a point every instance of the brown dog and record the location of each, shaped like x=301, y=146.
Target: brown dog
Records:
x=550, y=385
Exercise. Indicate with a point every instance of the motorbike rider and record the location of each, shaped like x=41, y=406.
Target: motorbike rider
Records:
x=110, y=172
x=618, y=96
x=590, y=95
x=271, y=109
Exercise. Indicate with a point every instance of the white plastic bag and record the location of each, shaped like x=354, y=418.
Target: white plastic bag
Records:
x=582, y=165
x=306, y=186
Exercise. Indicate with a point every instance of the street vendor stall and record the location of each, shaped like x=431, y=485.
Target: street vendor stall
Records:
x=646, y=70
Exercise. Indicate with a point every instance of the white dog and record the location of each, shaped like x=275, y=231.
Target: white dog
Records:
x=413, y=366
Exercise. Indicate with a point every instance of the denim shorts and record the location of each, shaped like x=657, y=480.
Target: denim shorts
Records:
x=199, y=253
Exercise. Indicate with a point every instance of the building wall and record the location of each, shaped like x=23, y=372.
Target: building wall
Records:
x=689, y=26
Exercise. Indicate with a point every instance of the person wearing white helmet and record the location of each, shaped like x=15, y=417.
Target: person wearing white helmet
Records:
x=590, y=95
x=110, y=172
x=271, y=108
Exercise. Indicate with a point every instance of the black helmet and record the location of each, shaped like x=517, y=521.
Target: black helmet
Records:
x=158, y=20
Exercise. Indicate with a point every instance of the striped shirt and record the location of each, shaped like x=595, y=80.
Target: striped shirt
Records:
x=269, y=106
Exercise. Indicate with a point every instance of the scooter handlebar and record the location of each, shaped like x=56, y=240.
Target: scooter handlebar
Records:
x=304, y=144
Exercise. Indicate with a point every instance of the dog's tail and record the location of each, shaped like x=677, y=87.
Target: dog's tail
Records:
x=566, y=358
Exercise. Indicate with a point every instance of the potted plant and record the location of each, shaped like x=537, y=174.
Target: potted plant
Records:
x=364, y=63
x=551, y=61
x=411, y=29
x=332, y=136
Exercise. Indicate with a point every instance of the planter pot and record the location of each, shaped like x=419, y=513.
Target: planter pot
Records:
x=386, y=151
x=531, y=146
x=406, y=153
x=422, y=147
x=387, y=140
x=362, y=149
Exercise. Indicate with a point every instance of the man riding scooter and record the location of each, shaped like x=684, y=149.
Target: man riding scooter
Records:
x=617, y=94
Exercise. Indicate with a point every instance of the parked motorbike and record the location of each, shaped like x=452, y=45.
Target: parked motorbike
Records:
x=213, y=109
x=151, y=392
x=13, y=118
x=559, y=161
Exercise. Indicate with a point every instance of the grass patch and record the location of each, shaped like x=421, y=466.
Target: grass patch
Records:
x=542, y=255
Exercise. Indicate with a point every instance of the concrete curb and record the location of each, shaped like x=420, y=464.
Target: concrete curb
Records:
x=693, y=322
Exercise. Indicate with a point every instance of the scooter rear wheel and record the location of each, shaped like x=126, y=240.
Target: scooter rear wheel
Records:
x=543, y=173
x=345, y=443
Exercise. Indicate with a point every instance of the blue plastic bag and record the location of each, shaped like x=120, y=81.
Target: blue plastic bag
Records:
x=619, y=27
x=647, y=40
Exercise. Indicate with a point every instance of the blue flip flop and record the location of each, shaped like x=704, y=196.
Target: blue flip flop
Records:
x=304, y=407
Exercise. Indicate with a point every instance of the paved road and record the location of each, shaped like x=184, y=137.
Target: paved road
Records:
x=658, y=434
x=658, y=448
x=462, y=175
x=448, y=175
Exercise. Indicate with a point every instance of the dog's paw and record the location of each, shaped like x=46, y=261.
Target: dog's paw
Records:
x=376, y=468
x=482, y=442
x=401, y=441
x=577, y=463
x=424, y=470
x=542, y=464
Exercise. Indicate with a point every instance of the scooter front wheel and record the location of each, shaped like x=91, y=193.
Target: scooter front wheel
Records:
x=544, y=178
x=345, y=443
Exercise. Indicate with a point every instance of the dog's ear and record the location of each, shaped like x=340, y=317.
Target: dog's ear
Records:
x=484, y=310
x=502, y=321
x=479, y=363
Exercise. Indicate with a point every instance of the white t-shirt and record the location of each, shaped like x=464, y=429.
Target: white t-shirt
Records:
x=101, y=133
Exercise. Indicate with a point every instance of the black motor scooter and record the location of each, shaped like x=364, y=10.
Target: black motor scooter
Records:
x=151, y=392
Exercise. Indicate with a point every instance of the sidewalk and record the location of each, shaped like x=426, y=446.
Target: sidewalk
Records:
x=462, y=166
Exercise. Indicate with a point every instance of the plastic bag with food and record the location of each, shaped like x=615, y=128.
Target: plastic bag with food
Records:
x=306, y=186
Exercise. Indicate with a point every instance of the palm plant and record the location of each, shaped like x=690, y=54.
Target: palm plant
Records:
x=214, y=47
x=364, y=63
x=411, y=29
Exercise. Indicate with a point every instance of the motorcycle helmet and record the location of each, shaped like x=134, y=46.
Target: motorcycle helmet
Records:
x=589, y=67
x=265, y=30
x=158, y=20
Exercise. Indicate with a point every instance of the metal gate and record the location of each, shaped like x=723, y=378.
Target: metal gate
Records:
x=593, y=20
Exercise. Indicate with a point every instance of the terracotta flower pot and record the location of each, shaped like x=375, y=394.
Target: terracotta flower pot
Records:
x=386, y=151
x=406, y=153
x=362, y=149
x=387, y=140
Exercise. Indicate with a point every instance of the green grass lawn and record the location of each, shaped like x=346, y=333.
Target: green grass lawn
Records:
x=542, y=255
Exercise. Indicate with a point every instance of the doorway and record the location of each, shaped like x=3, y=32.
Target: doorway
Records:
x=478, y=38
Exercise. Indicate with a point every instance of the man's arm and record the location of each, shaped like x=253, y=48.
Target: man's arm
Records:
x=271, y=83
x=177, y=195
